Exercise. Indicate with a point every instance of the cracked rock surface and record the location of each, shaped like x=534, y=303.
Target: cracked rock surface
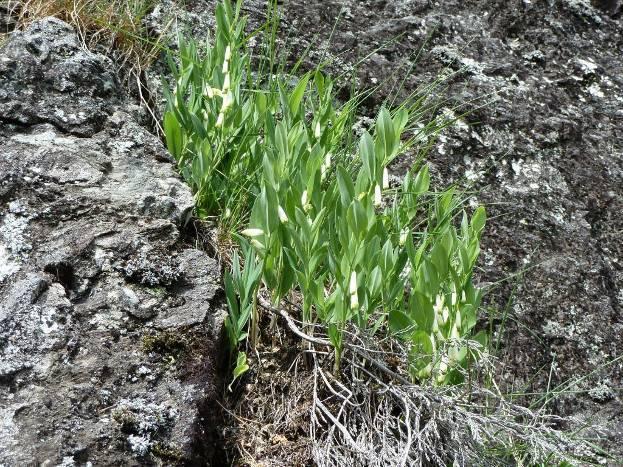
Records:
x=108, y=321
x=544, y=155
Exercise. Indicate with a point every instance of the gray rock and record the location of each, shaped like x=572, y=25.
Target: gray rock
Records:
x=107, y=321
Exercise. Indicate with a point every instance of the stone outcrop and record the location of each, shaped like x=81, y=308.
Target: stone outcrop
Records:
x=540, y=145
x=109, y=325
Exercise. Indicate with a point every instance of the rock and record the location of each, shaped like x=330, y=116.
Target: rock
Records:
x=108, y=322
x=540, y=146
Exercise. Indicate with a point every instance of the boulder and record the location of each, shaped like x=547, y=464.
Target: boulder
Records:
x=109, y=319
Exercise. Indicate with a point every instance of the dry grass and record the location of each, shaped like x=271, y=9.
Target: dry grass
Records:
x=291, y=411
x=116, y=27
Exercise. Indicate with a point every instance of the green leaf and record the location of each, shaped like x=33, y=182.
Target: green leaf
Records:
x=297, y=95
x=173, y=135
x=385, y=137
x=366, y=152
x=422, y=181
x=241, y=366
x=398, y=321
x=345, y=185
x=478, y=220
x=421, y=311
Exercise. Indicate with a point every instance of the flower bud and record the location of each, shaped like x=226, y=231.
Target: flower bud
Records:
x=352, y=286
x=385, y=179
x=220, y=120
x=227, y=101
x=225, y=67
x=252, y=232
x=227, y=53
x=226, y=83
x=317, y=130
x=403, y=236
x=283, y=217
x=377, y=196
x=304, y=198
x=354, y=302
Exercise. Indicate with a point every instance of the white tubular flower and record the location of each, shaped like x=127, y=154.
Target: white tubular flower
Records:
x=352, y=286
x=377, y=196
x=385, y=179
x=454, y=334
x=453, y=355
x=327, y=160
x=354, y=302
x=228, y=99
x=252, y=232
x=304, y=198
x=283, y=217
x=403, y=236
x=220, y=120
x=257, y=244
x=317, y=130
x=227, y=53
x=225, y=67
x=226, y=83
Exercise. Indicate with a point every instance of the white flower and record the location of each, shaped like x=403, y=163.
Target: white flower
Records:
x=377, y=196
x=385, y=179
x=225, y=67
x=227, y=53
x=283, y=217
x=227, y=213
x=352, y=286
x=354, y=302
x=403, y=236
x=257, y=244
x=227, y=101
x=220, y=119
x=226, y=83
x=317, y=130
x=304, y=198
x=252, y=232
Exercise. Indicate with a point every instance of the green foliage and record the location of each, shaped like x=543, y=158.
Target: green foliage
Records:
x=276, y=154
x=328, y=232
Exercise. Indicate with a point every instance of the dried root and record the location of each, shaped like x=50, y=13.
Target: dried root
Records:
x=373, y=416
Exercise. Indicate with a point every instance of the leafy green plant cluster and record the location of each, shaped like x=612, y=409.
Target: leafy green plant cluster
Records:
x=346, y=242
x=273, y=156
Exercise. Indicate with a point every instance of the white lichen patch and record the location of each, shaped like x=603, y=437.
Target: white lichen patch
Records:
x=595, y=90
x=14, y=239
x=8, y=266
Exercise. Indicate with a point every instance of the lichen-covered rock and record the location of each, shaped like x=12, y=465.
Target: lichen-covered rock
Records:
x=542, y=85
x=108, y=334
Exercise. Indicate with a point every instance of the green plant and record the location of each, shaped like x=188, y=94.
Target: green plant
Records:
x=350, y=251
x=241, y=286
x=276, y=153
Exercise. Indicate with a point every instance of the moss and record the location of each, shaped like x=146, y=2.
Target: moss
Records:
x=167, y=452
x=165, y=343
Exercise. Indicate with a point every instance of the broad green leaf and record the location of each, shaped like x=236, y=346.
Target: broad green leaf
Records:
x=478, y=220
x=173, y=135
x=297, y=94
x=421, y=311
x=345, y=185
